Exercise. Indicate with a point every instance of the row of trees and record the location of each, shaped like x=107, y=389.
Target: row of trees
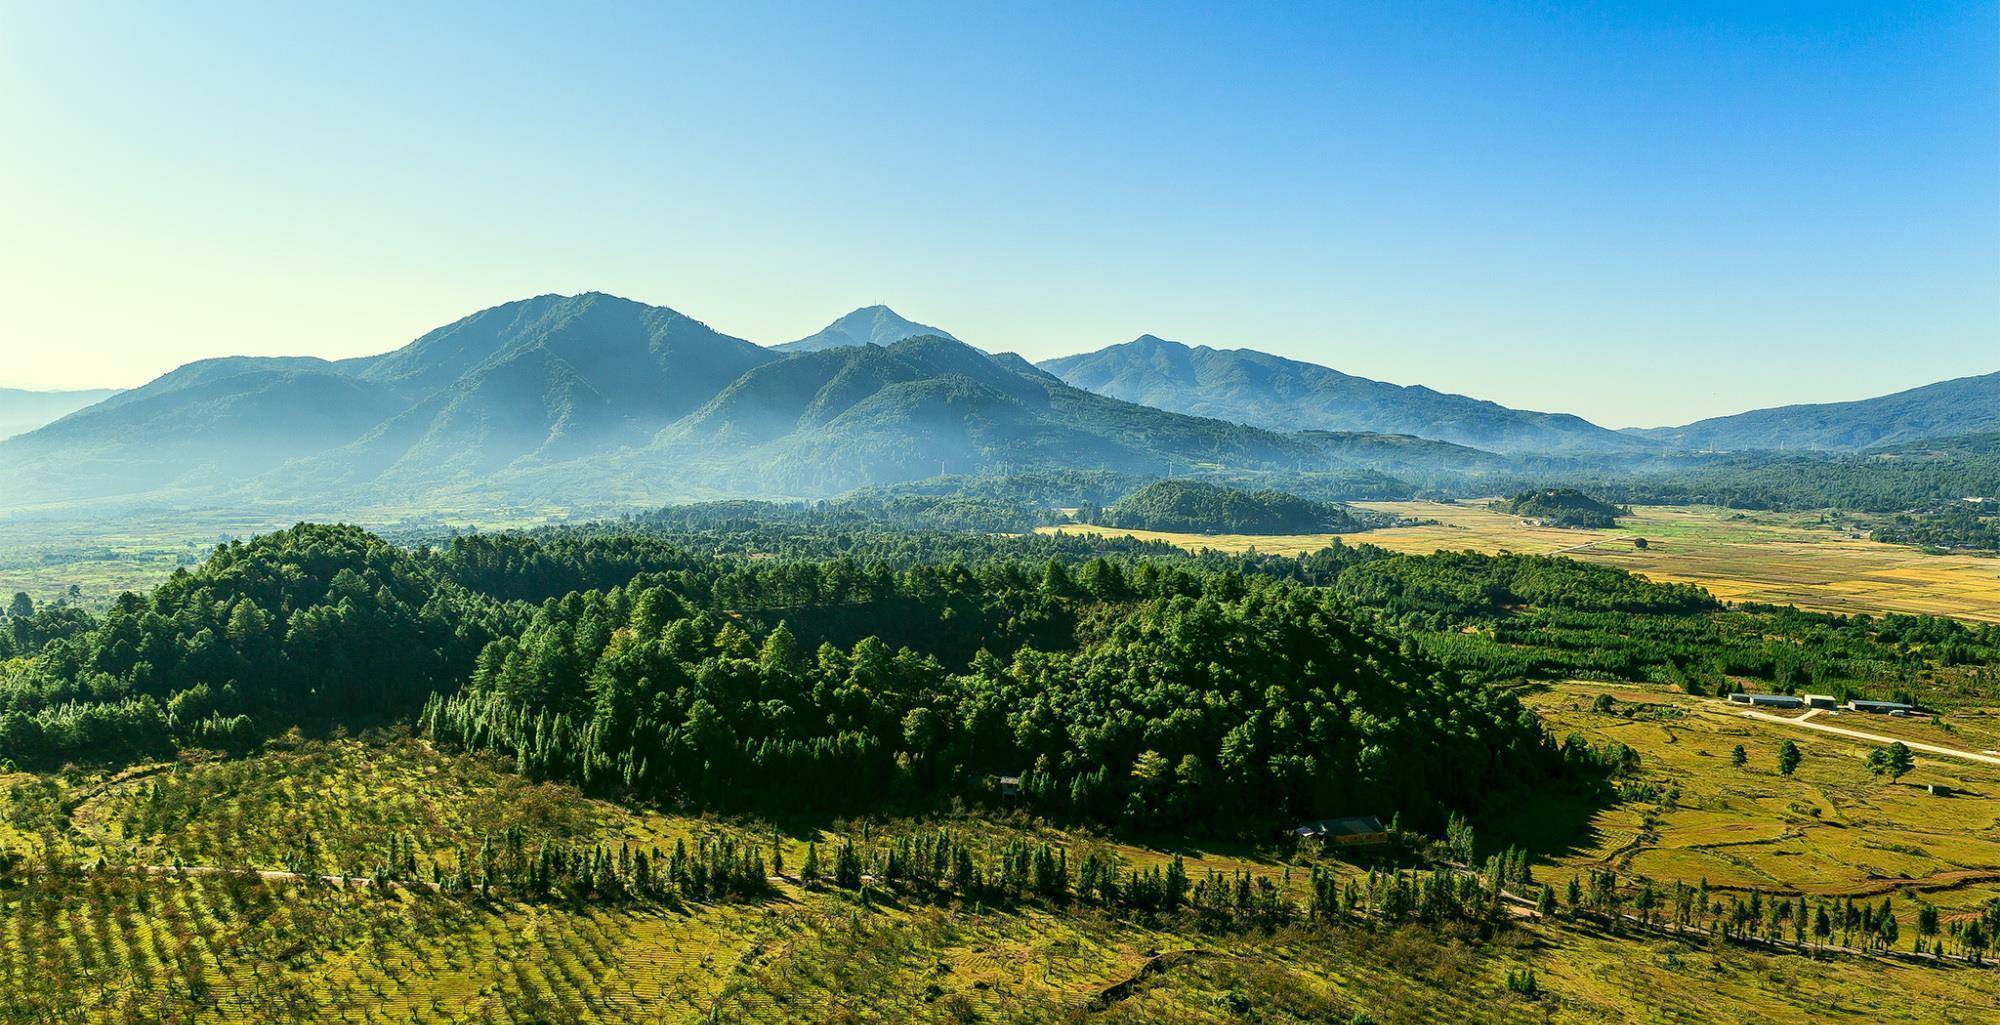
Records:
x=1808, y=924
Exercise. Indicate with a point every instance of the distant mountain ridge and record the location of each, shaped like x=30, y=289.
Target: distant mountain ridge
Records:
x=1263, y=390
x=594, y=398
x=23, y=409
x=1967, y=405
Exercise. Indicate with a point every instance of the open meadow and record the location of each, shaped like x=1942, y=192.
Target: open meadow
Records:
x=1779, y=558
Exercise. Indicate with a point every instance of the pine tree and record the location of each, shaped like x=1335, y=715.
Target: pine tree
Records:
x=809, y=873
x=1789, y=758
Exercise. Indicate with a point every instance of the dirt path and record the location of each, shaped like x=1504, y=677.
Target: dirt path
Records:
x=1591, y=544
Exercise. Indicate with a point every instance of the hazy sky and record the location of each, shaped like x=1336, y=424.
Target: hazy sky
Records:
x=1642, y=213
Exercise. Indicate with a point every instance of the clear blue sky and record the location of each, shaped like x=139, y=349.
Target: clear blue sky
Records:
x=1642, y=213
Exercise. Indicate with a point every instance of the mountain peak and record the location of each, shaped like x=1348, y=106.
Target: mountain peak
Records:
x=869, y=325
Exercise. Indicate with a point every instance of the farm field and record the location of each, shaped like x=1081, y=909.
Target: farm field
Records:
x=97, y=941
x=1780, y=558
x=1831, y=830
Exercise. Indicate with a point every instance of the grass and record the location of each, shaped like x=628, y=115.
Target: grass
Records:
x=1830, y=830
x=107, y=946
x=1779, y=558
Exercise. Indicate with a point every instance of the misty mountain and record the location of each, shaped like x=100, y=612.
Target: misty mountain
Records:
x=1963, y=406
x=553, y=377
x=1257, y=388
x=596, y=399
x=869, y=325
x=839, y=418
x=24, y=410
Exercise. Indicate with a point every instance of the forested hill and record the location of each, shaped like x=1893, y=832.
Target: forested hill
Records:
x=1202, y=508
x=823, y=669
x=1562, y=507
x=640, y=667
x=1962, y=406
x=1247, y=386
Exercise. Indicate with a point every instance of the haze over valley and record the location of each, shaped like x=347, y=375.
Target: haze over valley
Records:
x=1316, y=514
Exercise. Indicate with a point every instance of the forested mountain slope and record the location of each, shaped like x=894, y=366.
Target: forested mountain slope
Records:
x=1247, y=386
x=1962, y=406
x=596, y=399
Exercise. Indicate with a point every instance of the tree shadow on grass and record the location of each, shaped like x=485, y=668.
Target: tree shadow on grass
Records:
x=1549, y=824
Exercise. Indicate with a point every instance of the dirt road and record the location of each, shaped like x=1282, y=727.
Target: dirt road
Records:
x=1804, y=722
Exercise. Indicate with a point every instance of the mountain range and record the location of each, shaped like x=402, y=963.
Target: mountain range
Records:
x=1269, y=391
x=1962, y=406
x=23, y=410
x=594, y=400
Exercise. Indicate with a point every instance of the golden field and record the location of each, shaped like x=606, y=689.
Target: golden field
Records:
x=1831, y=829
x=1781, y=558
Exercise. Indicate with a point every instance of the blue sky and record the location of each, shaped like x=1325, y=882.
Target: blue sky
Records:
x=1642, y=213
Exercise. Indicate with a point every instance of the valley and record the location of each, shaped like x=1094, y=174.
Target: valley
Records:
x=1358, y=514
x=1739, y=556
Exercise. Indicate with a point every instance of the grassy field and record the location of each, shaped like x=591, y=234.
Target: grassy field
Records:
x=103, y=944
x=1830, y=830
x=103, y=556
x=1782, y=558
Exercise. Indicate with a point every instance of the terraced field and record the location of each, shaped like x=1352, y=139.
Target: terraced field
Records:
x=1781, y=558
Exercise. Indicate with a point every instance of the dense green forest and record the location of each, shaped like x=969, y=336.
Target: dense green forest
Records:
x=1562, y=507
x=1917, y=475
x=632, y=664
x=802, y=668
x=1198, y=507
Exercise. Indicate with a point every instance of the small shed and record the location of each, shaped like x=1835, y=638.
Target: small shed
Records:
x=1353, y=831
x=1009, y=786
x=1937, y=790
x=1881, y=707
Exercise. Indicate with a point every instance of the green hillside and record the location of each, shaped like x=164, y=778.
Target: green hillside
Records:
x=1561, y=507
x=1190, y=506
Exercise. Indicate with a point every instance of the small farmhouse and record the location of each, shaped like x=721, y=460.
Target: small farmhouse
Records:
x=1355, y=831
